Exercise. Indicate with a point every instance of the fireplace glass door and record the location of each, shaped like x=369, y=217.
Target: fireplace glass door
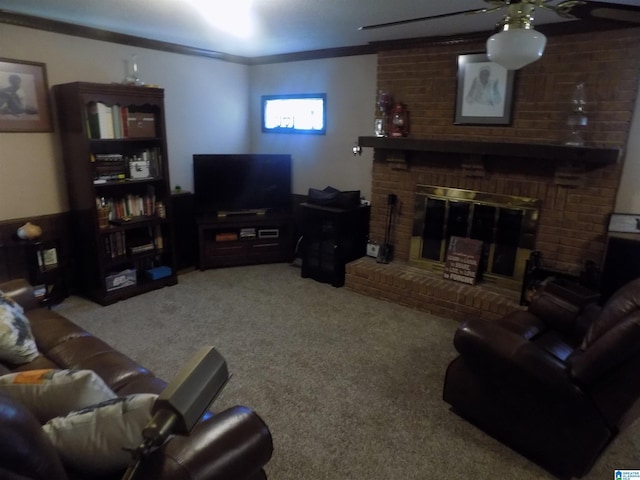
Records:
x=505, y=225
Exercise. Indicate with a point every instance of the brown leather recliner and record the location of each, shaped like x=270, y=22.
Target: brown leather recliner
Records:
x=556, y=382
x=231, y=445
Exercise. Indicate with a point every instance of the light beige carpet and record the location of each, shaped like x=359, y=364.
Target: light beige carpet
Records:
x=350, y=386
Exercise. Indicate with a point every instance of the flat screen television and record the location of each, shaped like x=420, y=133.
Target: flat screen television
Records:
x=241, y=183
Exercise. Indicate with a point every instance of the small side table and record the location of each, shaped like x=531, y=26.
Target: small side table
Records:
x=47, y=268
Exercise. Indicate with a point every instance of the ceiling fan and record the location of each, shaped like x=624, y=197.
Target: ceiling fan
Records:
x=517, y=43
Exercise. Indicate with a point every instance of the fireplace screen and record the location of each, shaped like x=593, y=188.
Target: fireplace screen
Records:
x=505, y=224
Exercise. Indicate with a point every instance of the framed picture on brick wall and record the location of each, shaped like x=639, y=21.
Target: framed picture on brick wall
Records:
x=484, y=91
x=624, y=223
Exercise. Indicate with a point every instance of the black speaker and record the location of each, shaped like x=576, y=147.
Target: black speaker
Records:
x=621, y=264
x=185, y=229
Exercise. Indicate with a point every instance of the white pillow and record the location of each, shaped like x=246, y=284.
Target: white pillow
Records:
x=4, y=298
x=17, y=344
x=92, y=440
x=51, y=393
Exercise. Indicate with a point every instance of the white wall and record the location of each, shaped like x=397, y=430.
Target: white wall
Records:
x=206, y=111
x=322, y=160
x=214, y=107
x=628, y=199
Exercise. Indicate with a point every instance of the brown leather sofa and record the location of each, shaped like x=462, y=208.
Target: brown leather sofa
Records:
x=232, y=445
x=556, y=382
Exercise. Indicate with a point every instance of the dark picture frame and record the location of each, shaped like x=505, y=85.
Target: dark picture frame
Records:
x=484, y=91
x=624, y=223
x=24, y=97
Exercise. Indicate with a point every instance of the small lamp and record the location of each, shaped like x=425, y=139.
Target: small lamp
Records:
x=518, y=44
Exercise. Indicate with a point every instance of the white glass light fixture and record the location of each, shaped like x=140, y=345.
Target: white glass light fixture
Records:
x=234, y=18
x=518, y=44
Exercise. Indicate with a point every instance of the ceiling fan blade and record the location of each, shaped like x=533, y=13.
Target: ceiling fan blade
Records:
x=432, y=17
x=599, y=10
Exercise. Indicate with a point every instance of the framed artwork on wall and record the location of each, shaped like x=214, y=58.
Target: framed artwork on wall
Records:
x=484, y=92
x=624, y=223
x=24, y=97
x=296, y=113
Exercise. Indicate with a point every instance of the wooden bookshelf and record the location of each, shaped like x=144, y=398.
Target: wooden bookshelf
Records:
x=119, y=161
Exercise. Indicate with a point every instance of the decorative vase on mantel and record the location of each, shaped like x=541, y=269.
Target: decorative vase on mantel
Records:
x=383, y=102
x=577, y=119
x=29, y=231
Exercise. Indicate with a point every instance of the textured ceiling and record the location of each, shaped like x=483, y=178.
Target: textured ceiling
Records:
x=279, y=26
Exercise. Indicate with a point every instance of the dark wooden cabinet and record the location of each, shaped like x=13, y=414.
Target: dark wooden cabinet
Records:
x=244, y=240
x=621, y=263
x=332, y=237
x=116, y=156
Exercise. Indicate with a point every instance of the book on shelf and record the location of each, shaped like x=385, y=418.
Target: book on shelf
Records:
x=129, y=207
x=100, y=121
x=109, y=178
x=130, y=220
x=147, y=247
x=141, y=240
x=144, y=164
x=157, y=238
x=108, y=167
x=105, y=120
x=116, y=121
x=116, y=115
x=114, y=244
x=93, y=125
x=132, y=242
x=124, y=122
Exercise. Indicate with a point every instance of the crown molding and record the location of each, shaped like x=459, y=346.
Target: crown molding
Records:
x=57, y=26
x=372, y=48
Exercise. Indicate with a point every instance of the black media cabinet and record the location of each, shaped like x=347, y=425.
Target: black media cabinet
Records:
x=331, y=238
x=244, y=239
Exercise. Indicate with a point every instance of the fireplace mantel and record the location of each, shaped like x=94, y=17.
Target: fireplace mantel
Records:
x=588, y=156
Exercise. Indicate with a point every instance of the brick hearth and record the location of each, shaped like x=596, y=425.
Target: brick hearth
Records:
x=417, y=288
x=572, y=227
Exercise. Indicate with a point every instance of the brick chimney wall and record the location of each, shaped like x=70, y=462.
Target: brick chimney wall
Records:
x=573, y=219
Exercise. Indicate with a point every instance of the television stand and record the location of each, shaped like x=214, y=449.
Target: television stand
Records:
x=239, y=213
x=244, y=239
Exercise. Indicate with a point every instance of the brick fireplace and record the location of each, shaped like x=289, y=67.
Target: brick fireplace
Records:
x=572, y=213
x=576, y=188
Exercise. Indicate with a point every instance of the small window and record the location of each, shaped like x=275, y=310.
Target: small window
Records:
x=304, y=113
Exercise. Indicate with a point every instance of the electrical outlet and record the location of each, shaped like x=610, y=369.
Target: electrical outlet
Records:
x=372, y=250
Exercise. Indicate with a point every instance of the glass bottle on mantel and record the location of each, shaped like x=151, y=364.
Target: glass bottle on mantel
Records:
x=132, y=77
x=383, y=103
x=577, y=119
